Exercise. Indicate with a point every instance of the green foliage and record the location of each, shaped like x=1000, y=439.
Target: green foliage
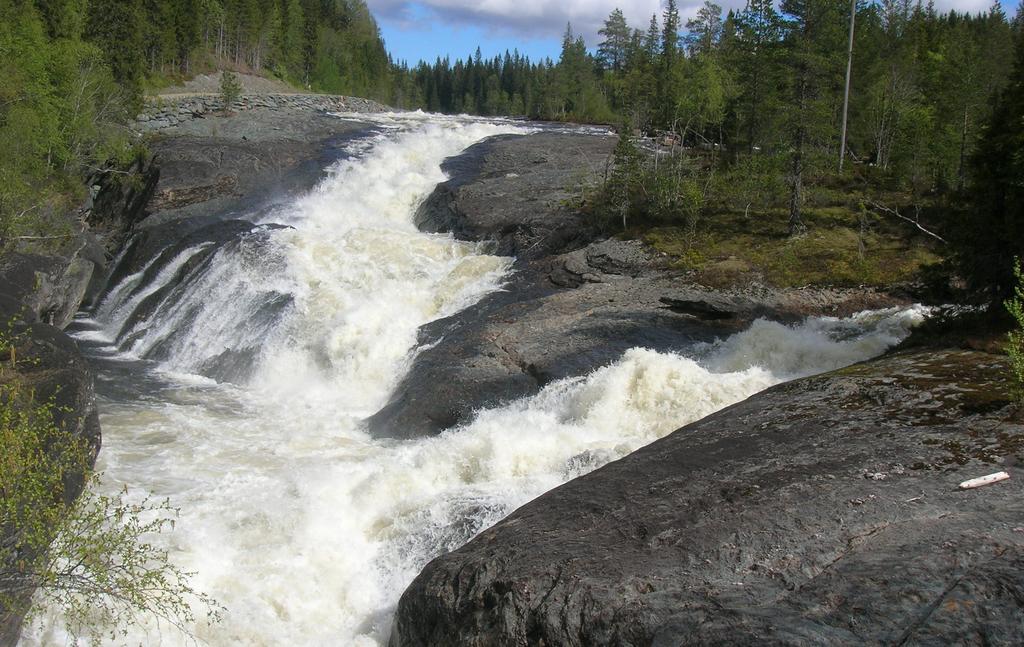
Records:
x=115, y=26
x=1015, y=339
x=731, y=248
x=61, y=113
x=642, y=190
x=990, y=233
x=754, y=182
x=88, y=556
x=623, y=186
x=230, y=89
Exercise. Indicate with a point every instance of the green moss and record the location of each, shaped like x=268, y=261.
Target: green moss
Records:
x=836, y=251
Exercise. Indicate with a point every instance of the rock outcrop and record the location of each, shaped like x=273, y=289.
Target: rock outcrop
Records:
x=34, y=290
x=167, y=111
x=822, y=511
x=574, y=303
x=519, y=193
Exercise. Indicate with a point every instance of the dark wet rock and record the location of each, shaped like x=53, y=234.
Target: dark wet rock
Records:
x=152, y=248
x=50, y=363
x=118, y=198
x=699, y=309
x=823, y=511
x=198, y=169
x=514, y=342
x=45, y=288
x=519, y=192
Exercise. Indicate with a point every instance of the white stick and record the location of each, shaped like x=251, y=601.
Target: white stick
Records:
x=984, y=480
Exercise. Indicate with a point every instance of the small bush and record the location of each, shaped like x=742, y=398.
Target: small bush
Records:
x=88, y=557
x=1015, y=340
x=230, y=89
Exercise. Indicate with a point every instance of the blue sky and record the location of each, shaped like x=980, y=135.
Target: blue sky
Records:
x=426, y=29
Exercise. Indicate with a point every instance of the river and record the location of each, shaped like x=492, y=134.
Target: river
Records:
x=233, y=377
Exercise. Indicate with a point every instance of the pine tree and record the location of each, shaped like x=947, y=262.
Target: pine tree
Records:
x=813, y=54
x=670, y=34
x=652, y=44
x=754, y=57
x=115, y=26
x=612, y=50
x=705, y=29
x=669, y=73
x=991, y=233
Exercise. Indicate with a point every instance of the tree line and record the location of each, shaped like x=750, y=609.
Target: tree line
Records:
x=328, y=46
x=764, y=79
x=761, y=92
x=73, y=74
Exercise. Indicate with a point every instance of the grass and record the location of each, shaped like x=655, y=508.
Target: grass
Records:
x=838, y=250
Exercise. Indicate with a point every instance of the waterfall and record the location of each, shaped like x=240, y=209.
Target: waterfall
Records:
x=274, y=342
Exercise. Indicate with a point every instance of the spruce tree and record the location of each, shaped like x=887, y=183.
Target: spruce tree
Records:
x=115, y=26
x=612, y=50
x=991, y=232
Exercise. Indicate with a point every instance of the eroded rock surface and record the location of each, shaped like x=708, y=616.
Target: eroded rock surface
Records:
x=518, y=192
x=822, y=511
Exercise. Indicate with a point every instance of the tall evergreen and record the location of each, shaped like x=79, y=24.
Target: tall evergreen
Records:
x=705, y=29
x=669, y=74
x=116, y=27
x=813, y=56
x=613, y=49
x=754, y=56
x=991, y=234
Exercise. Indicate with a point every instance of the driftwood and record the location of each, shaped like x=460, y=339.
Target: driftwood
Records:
x=916, y=221
x=988, y=479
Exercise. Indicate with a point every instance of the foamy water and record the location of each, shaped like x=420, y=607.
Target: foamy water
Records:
x=305, y=528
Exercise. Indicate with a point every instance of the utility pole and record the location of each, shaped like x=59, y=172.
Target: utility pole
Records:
x=846, y=94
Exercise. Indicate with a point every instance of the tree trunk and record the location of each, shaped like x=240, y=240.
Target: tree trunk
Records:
x=796, y=223
x=961, y=173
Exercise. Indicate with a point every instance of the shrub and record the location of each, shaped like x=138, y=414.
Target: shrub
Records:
x=86, y=556
x=230, y=89
x=1015, y=340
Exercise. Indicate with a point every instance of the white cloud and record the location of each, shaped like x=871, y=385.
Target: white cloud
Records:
x=547, y=18
x=533, y=18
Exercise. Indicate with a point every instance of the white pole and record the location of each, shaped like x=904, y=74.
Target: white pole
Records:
x=846, y=94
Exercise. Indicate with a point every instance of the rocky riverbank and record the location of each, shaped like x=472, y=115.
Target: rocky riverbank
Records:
x=198, y=170
x=167, y=111
x=40, y=294
x=823, y=511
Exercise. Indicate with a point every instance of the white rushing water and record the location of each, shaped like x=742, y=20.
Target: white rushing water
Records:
x=305, y=528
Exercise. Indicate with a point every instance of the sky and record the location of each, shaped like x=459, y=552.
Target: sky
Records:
x=417, y=30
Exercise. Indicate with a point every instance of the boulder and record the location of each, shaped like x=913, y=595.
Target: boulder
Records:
x=519, y=192
x=820, y=512
x=45, y=288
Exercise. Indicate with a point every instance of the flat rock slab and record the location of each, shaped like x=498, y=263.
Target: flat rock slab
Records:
x=519, y=193
x=231, y=164
x=822, y=511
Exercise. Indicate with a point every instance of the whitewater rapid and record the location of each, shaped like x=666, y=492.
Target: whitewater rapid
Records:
x=301, y=525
